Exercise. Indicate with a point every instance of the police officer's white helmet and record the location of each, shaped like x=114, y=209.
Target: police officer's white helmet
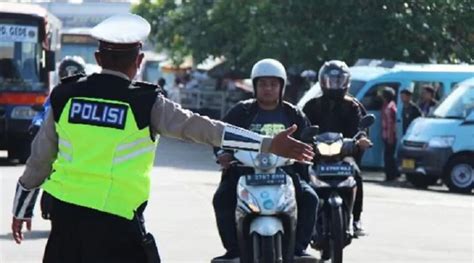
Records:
x=268, y=68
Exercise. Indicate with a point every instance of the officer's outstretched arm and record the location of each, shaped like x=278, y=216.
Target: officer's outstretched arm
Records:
x=44, y=149
x=169, y=119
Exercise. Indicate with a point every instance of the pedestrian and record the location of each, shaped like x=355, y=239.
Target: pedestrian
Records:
x=389, y=134
x=428, y=101
x=162, y=83
x=410, y=110
x=95, y=150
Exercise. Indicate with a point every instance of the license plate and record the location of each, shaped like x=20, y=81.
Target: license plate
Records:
x=408, y=164
x=265, y=179
x=335, y=169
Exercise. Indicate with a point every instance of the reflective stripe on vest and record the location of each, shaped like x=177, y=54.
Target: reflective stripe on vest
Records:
x=103, y=161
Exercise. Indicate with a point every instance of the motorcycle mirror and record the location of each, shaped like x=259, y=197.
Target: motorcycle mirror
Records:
x=367, y=121
x=308, y=133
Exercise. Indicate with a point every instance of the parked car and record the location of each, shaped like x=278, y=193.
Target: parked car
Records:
x=368, y=81
x=442, y=145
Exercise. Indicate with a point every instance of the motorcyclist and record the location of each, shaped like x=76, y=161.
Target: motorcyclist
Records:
x=266, y=114
x=69, y=66
x=336, y=111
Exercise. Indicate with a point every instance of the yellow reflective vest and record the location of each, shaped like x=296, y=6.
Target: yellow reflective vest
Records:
x=104, y=159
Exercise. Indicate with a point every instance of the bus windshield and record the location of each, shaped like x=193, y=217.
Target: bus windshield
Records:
x=20, y=58
x=79, y=45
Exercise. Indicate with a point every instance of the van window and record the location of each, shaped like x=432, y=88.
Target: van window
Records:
x=458, y=105
x=355, y=87
x=417, y=88
x=372, y=100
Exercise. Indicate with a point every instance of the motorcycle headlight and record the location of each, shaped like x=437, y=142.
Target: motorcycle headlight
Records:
x=248, y=199
x=264, y=161
x=441, y=142
x=23, y=113
x=329, y=149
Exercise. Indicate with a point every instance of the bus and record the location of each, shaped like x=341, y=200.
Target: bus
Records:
x=28, y=42
x=78, y=42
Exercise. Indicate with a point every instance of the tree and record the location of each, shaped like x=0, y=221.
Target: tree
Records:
x=302, y=34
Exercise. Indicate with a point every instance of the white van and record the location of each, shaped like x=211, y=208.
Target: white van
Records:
x=442, y=145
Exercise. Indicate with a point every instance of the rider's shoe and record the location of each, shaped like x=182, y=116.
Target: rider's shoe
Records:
x=358, y=230
x=228, y=257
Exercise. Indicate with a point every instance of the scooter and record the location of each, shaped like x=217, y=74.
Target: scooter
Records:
x=266, y=209
x=332, y=176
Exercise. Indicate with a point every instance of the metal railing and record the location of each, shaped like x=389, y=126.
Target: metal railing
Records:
x=220, y=101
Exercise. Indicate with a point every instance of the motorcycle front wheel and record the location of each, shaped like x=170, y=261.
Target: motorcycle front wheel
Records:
x=267, y=249
x=337, y=235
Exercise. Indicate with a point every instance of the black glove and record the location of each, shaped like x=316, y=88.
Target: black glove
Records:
x=46, y=204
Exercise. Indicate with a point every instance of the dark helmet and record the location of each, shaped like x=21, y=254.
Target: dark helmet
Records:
x=334, y=78
x=71, y=65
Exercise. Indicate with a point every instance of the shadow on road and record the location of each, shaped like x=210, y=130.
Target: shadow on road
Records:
x=402, y=183
x=4, y=161
x=34, y=234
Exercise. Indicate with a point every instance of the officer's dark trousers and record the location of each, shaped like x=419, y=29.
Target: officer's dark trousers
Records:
x=225, y=201
x=84, y=235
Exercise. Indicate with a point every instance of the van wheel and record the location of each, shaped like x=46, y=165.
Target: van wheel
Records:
x=420, y=181
x=459, y=176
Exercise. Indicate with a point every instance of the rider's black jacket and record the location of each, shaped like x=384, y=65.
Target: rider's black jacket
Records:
x=331, y=115
x=243, y=113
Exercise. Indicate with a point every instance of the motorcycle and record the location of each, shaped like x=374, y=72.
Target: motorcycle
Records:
x=266, y=209
x=332, y=176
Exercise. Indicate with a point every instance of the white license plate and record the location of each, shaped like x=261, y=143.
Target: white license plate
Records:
x=265, y=179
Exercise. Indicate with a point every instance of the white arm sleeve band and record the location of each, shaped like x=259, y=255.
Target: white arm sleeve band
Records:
x=236, y=138
x=24, y=202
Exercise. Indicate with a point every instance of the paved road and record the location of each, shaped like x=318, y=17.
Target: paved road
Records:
x=405, y=225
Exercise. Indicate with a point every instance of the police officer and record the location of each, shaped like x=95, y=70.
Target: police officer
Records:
x=96, y=147
x=267, y=114
x=336, y=111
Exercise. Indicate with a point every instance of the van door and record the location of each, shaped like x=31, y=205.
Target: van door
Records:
x=372, y=100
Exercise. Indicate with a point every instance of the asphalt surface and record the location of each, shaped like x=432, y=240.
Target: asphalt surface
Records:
x=404, y=224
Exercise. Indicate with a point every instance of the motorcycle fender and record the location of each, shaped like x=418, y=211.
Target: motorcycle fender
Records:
x=335, y=201
x=266, y=226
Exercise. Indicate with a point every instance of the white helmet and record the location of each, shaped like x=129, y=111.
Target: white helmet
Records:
x=268, y=67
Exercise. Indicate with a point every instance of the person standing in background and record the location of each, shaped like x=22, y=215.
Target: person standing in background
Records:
x=410, y=110
x=427, y=100
x=389, y=134
x=162, y=83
